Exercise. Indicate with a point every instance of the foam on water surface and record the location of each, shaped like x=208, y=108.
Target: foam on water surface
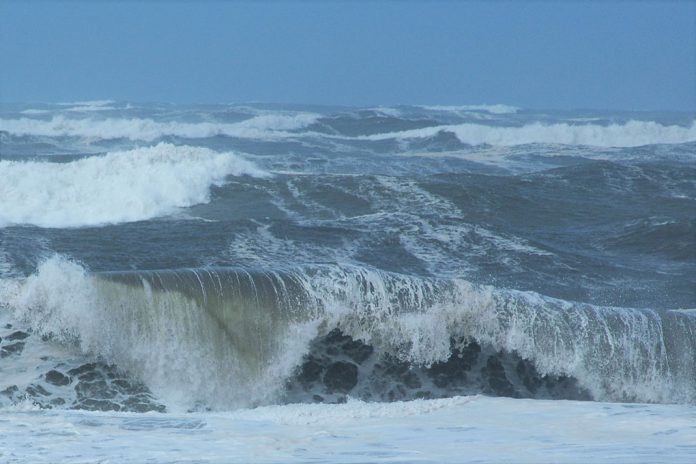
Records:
x=460, y=429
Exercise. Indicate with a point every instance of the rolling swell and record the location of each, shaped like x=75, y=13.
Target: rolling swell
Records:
x=224, y=338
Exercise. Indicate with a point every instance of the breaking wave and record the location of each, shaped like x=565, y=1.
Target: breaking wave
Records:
x=260, y=126
x=630, y=134
x=492, y=109
x=232, y=337
x=117, y=187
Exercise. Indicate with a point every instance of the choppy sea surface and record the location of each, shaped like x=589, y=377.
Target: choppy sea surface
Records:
x=275, y=283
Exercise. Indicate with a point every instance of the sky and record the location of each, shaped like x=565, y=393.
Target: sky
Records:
x=627, y=55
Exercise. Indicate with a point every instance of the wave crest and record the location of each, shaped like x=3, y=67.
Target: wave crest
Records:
x=260, y=126
x=630, y=134
x=117, y=187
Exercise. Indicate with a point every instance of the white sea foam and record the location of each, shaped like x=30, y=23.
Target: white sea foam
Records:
x=388, y=111
x=32, y=111
x=474, y=429
x=79, y=107
x=630, y=134
x=88, y=108
x=492, y=109
x=87, y=103
x=263, y=126
x=6, y=268
x=117, y=187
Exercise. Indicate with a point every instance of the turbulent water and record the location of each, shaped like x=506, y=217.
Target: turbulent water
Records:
x=192, y=258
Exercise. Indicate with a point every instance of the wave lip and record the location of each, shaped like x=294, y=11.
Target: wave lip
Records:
x=118, y=187
x=630, y=134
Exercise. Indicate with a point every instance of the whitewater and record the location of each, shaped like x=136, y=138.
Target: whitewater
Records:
x=278, y=283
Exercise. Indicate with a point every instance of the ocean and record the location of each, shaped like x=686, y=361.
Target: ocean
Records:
x=297, y=283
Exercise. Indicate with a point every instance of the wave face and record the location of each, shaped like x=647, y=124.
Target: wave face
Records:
x=117, y=187
x=167, y=257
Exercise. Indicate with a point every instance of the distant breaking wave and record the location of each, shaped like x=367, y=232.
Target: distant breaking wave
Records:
x=630, y=134
x=77, y=107
x=281, y=125
x=261, y=126
x=117, y=187
x=493, y=109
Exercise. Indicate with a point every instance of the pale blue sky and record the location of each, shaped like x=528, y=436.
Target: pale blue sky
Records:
x=564, y=55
